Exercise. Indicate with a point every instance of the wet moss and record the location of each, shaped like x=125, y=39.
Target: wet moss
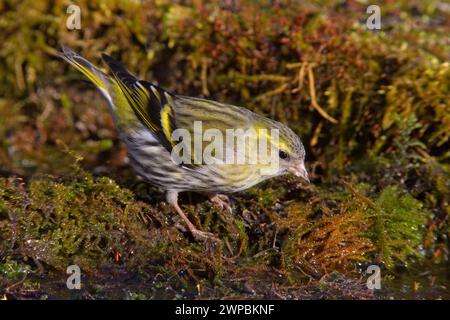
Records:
x=12, y=270
x=399, y=227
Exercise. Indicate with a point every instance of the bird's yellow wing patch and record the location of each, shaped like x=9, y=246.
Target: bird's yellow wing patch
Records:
x=152, y=105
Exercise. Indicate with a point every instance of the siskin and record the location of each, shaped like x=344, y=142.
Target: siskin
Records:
x=148, y=118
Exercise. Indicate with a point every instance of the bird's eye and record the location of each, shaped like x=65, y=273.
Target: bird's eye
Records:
x=283, y=154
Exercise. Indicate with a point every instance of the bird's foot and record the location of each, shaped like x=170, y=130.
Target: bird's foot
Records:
x=198, y=235
x=203, y=236
x=222, y=201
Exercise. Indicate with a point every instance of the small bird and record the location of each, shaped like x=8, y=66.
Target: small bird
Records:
x=147, y=118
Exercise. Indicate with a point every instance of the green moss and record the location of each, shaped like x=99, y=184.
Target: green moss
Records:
x=399, y=227
x=85, y=220
x=13, y=270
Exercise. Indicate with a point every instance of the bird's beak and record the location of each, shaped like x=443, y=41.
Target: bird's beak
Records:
x=299, y=170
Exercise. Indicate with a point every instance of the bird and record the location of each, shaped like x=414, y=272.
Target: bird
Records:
x=148, y=118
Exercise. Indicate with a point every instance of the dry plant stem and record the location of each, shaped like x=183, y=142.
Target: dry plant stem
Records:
x=204, y=77
x=273, y=92
x=314, y=103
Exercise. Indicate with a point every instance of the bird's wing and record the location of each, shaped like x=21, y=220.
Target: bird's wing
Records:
x=212, y=114
x=164, y=112
x=151, y=104
x=206, y=121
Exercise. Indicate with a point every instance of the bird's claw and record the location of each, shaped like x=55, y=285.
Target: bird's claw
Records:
x=203, y=236
x=221, y=201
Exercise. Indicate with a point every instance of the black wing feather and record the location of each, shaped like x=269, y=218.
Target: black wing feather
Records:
x=149, y=102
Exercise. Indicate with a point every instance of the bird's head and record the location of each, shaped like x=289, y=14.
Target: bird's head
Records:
x=289, y=150
x=291, y=153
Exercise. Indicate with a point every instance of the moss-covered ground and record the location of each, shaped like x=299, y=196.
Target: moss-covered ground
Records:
x=372, y=108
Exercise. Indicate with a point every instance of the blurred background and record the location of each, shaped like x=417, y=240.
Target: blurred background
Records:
x=371, y=106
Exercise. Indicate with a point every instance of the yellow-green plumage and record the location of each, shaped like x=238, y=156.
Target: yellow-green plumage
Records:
x=146, y=117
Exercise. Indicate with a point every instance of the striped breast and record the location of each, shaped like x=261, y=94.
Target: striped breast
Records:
x=153, y=162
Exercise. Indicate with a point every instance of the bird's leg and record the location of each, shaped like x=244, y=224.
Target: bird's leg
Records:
x=172, y=198
x=220, y=200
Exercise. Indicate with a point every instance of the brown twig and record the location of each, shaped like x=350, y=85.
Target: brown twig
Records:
x=312, y=92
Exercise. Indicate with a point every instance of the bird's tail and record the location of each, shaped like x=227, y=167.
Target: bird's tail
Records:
x=98, y=77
